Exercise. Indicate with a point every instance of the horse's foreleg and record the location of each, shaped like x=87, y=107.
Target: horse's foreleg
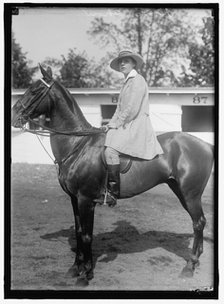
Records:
x=84, y=217
x=86, y=211
x=79, y=260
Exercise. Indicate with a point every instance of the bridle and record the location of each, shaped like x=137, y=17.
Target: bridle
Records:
x=26, y=114
x=46, y=131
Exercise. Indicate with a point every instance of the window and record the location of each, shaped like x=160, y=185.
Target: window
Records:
x=198, y=118
x=107, y=111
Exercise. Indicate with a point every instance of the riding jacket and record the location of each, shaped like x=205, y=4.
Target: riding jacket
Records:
x=133, y=134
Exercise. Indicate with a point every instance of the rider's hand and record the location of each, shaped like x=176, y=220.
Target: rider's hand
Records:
x=105, y=128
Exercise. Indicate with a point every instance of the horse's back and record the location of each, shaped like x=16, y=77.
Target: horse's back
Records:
x=194, y=145
x=191, y=145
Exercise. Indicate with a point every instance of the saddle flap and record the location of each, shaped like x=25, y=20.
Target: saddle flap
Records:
x=125, y=162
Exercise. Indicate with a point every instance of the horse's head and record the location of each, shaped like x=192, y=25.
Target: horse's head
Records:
x=35, y=100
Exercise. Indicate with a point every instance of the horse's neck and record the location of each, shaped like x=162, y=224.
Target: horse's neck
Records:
x=64, y=145
x=63, y=119
x=65, y=115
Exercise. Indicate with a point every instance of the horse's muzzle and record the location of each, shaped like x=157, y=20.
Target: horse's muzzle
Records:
x=17, y=120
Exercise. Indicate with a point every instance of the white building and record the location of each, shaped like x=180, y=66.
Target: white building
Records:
x=180, y=109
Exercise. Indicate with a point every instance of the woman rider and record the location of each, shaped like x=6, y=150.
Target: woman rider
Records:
x=129, y=131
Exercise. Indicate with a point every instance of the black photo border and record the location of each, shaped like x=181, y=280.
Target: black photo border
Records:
x=13, y=8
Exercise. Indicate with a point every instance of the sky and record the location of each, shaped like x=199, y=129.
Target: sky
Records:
x=51, y=32
x=43, y=32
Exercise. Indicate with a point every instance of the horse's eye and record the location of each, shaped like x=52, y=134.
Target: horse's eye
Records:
x=32, y=90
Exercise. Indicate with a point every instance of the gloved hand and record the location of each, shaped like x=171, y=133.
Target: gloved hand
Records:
x=107, y=127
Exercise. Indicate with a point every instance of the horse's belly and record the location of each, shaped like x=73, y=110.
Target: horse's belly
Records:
x=142, y=176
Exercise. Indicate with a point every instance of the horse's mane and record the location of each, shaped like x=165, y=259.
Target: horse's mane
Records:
x=72, y=104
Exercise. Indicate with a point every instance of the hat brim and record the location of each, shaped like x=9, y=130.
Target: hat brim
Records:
x=115, y=62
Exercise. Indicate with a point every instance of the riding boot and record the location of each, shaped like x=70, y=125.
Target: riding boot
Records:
x=113, y=184
x=113, y=187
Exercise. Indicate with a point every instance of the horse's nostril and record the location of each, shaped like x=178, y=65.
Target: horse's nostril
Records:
x=18, y=122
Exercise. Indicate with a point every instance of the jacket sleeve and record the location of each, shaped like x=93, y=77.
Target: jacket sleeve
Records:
x=131, y=103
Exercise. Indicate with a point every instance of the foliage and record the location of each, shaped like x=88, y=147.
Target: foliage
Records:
x=166, y=38
x=202, y=58
x=178, y=50
x=102, y=76
x=21, y=71
x=74, y=70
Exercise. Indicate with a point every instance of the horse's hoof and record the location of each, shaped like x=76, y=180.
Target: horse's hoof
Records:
x=197, y=264
x=112, y=204
x=187, y=273
x=73, y=249
x=82, y=282
x=90, y=275
x=72, y=272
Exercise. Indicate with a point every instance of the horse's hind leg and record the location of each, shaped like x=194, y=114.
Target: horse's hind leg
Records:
x=199, y=221
x=192, y=203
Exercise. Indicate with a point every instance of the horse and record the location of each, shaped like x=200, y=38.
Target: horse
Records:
x=78, y=147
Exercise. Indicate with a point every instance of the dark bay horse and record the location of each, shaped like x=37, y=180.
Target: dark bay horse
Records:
x=77, y=147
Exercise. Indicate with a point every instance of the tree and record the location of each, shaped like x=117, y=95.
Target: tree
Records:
x=161, y=36
x=202, y=58
x=21, y=71
x=101, y=76
x=74, y=71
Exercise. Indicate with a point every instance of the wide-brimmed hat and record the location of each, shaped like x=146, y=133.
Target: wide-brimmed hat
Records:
x=137, y=58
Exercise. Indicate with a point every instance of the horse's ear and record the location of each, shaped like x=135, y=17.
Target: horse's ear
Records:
x=46, y=74
x=49, y=71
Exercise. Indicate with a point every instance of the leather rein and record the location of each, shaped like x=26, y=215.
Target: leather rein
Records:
x=46, y=130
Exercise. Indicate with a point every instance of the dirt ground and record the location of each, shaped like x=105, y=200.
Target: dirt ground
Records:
x=141, y=244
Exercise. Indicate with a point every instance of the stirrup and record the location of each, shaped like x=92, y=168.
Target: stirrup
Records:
x=109, y=199
x=106, y=198
x=100, y=200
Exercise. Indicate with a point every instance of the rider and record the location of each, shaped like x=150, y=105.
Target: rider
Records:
x=129, y=131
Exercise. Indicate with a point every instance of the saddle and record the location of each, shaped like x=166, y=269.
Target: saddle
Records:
x=125, y=162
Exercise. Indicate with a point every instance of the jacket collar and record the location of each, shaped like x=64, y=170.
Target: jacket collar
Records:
x=132, y=74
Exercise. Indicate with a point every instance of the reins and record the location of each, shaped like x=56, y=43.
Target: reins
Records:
x=50, y=131
x=47, y=130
